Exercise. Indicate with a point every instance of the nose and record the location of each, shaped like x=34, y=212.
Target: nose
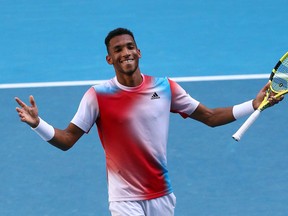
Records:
x=126, y=51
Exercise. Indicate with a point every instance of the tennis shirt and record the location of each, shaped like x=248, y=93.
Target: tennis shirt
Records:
x=133, y=124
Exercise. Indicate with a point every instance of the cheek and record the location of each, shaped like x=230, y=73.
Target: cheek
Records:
x=137, y=56
x=112, y=60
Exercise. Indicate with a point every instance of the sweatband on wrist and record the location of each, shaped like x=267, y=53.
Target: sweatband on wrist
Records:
x=243, y=109
x=44, y=130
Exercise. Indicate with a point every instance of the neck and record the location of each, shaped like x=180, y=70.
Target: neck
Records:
x=131, y=80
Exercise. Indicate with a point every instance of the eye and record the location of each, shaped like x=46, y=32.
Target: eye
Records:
x=130, y=46
x=117, y=49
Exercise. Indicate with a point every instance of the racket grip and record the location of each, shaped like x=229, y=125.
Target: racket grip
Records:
x=252, y=118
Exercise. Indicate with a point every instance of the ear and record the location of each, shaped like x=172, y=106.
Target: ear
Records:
x=109, y=60
x=139, y=53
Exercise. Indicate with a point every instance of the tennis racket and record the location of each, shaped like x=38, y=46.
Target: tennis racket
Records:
x=278, y=86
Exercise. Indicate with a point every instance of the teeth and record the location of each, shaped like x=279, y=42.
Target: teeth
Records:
x=127, y=61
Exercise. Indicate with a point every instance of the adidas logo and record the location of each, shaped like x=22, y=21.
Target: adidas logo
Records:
x=155, y=96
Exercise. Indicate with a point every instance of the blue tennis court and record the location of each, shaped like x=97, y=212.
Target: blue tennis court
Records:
x=212, y=175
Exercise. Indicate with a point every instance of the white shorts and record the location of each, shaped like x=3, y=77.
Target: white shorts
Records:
x=162, y=206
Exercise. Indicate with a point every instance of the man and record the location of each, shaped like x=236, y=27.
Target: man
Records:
x=131, y=112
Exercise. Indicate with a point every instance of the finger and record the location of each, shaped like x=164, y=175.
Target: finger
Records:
x=20, y=102
x=266, y=87
x=18, y=109
x=32, y=101
x=277, y=99
x=267, y=84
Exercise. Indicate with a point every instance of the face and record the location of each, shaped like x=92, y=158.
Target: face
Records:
x=123, y=54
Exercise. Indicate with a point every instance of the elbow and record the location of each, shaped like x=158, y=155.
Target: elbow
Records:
x=61, y=147
x=62, y=144
x=211, y=124
x=215, y=123
x=66, y=148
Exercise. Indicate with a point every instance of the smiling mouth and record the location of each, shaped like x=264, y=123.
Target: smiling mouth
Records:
x=127, y=61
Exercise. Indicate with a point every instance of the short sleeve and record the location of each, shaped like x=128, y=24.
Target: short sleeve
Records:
x=87, y=112
x=181, y=101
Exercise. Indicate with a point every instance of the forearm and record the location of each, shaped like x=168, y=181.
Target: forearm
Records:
x=220, y=116
x=62, y=139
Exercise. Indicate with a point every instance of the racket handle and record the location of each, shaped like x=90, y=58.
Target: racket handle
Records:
x=252, y=118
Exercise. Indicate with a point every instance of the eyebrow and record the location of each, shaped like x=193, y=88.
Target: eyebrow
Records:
x=126, y=44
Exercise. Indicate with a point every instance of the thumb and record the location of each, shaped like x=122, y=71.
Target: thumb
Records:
x=266, y=87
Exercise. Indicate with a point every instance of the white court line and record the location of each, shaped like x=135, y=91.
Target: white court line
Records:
x=94, y=82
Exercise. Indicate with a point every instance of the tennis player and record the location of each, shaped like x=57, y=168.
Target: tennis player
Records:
x=131, y=112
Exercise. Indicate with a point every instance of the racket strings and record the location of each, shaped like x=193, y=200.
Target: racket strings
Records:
x=280, y=79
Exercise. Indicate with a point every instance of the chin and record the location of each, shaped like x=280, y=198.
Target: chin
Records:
x=130, y=72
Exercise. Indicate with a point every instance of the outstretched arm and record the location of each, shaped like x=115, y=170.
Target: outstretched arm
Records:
x=62, y=139
x=220, y=116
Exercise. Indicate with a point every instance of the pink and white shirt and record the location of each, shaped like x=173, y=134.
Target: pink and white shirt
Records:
x=133, y=124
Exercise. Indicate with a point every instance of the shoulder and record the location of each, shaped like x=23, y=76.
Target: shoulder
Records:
x=157, y=80
x=108, y=86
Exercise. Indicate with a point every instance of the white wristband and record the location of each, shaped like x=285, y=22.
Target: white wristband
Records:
x=44, y=130
x=243, y=109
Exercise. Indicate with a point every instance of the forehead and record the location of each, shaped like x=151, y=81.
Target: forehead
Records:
x=121, y=40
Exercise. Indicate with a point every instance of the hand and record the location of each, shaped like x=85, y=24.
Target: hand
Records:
x=271, y=97
x=28, y=114
x=273, y=100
